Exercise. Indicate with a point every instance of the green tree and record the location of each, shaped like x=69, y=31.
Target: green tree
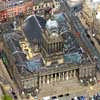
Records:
x=7, y=97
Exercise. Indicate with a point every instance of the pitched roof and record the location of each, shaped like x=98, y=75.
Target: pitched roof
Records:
x=32, y=29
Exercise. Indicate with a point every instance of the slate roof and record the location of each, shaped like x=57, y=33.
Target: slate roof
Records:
x=32, y=28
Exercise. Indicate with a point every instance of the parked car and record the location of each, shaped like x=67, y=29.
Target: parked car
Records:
x=54, y=98
x=60, y=95
x=92, y=98
x=79, y=98
x=82, y=97
x=97, y=97
x=46, y=98
x=75, y=98
x=67, y=94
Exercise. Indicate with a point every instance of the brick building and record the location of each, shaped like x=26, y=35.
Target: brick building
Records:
x=15, y=10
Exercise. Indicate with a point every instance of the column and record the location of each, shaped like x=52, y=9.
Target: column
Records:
x=86, y=71
x=40, y=81
x=55, y=77
x=90, y=74
x=59, y=76
x=67, y=77
x=43, y=79
x=51, y=76
x=48, y=81
x=71, y=72
x=74, y=74
x=63, y=76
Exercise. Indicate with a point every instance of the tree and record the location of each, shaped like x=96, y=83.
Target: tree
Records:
x=7, y=97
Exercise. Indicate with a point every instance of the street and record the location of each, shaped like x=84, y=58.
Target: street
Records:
x=78, y=27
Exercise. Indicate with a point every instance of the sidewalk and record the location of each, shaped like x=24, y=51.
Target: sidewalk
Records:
x=72, y=87
x=90, y=34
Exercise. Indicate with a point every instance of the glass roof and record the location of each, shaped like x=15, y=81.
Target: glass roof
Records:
x=73, y=58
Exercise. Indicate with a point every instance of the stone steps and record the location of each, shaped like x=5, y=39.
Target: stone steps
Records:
x=58, y=88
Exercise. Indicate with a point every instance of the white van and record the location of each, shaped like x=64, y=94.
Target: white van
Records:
x=46, y=98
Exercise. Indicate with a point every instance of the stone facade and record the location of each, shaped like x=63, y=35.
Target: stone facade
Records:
x=34, y=81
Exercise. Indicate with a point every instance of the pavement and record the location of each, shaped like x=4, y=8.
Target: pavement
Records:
x=72, y=86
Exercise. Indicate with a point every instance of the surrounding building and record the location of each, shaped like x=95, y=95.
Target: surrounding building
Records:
x=90, y=18
x=15, y=10
x=3, y=16
x=2, y=4
x=75, y=5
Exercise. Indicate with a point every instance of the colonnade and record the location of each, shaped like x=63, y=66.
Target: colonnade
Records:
x=61, y=76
